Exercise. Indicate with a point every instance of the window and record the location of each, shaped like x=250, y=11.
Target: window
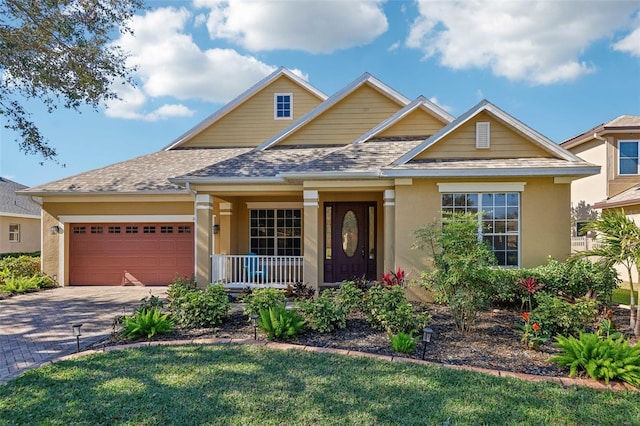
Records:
x=276, y=232
x=114, y=229
x=148, y=229
x=131, y=230
x=283, y=106
x=166, y=229
x=79, y=230
x=96, y=229
x=14, y=232
x=182, y=229
x=628, y=152
x=499, y=224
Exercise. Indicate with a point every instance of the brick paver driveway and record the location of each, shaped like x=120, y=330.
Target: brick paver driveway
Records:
x=36, y=327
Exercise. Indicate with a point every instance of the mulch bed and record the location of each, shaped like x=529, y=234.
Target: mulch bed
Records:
x=493, y=343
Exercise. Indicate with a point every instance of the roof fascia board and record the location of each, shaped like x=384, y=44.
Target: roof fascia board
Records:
x=330, y=102
x=610, y=205
x=20, y=215
x=420, y=102
x=331, y=175
x=99, y=193
x=240, y=99
x=483, y=172
x=226, y=180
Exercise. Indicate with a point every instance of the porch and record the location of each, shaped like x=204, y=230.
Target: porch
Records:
x=253, y=271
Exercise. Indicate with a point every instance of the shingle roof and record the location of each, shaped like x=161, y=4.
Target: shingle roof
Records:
x=11, y=203
x=626, y=198
x=623, y=122
x=149, y=173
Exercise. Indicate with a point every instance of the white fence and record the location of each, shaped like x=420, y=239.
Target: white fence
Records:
x=242, y=271
x=583, y=243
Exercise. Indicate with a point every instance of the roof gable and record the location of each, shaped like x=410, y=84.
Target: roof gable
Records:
x=486, y=109
x=14, y=204
x=273, y=80
x=365, y=80
x=623, y=123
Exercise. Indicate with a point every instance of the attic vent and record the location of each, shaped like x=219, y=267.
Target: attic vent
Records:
x=483, y=134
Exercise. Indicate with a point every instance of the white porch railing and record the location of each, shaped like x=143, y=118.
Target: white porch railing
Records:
x=583, y=243
x=242, y=271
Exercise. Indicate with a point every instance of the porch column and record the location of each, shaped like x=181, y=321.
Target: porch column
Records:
x=204, y=210
x=224, y=234
x=311, y=240
x=389, y=198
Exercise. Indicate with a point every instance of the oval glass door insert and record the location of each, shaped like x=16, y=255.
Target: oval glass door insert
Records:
x=349, y=233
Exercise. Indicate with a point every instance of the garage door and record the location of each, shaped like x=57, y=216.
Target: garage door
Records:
x=136, y=253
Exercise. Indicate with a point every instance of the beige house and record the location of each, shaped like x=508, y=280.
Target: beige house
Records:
x=285, y=185
x=19, y=220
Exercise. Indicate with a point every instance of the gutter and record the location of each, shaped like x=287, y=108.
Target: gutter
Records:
x=491, y=172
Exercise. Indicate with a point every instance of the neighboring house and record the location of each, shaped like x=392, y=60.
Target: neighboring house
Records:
x=615, y=146
x=320, y=189
x=19, y=220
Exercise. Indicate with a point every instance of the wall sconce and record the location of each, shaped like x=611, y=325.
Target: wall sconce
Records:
x=426, y=338
x=76, y=332
x=55, y=229
x=216, y=229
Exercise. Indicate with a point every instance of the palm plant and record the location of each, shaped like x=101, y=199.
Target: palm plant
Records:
x=619, y=239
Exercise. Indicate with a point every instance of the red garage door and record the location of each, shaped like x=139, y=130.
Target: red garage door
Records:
x=136, y=253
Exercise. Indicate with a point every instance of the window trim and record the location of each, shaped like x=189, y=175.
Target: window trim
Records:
x=14, y=236
x=275, y=106
x=637, y=142
x=275, y=236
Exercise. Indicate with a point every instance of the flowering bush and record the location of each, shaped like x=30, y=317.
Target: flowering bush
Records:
x=397, y=278
x=530, y=286
x=532, y=334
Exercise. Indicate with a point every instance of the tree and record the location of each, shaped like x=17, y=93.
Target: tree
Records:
x=619, y=239
x=59, y=52
x=582, y=212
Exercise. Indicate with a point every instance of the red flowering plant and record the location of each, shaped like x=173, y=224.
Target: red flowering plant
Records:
x=394, y=278
x=533, y=336
x=530, y=286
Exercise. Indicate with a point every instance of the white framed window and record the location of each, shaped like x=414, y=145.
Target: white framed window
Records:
x=275, y=232
x=628, y=163
x=499, y=223
x=483, y=135
x=283, y=106
x=14, y=232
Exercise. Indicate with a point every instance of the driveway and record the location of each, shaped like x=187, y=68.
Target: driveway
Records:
x=36, y=327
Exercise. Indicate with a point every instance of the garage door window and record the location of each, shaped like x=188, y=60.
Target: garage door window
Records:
x=131, y=230
x=79, y=230
x=148, y=229
x=96, y=229
x=166, y=229
x=114, y=229
x=184, y=229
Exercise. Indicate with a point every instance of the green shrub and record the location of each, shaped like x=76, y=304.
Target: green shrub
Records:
x=349, y=297
x=323, y=314
x=577, y=277
x=557, y=316
x=387, y=308
x=22, y=266
x=198, y=308
x=299, y=291
x=22, y=284
x=262, y=298
x=147, y=322
x=279, y=323
x=601, y=359
x=403, y=343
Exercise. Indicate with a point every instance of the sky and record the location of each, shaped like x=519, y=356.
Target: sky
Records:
x=561, y=67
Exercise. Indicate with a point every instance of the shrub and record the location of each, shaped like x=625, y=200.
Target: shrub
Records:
x=262, y=298
x=601, y=359
x=198, y=308
x=557, y=316
x=349, y=297
x=576, y=278
x=323, y=314
x=299, y=291
x=387, y=308
x=22, y=266
x=22, y=284
x=147, y=322
x=279, y=323
x=403, y=343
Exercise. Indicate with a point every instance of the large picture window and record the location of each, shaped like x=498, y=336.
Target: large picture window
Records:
x=499, y=223
x=276, y=232
x=628, y=155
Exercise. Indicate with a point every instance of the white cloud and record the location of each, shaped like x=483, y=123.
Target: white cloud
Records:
x=630, y=44
x=534, y=41
x=170, y=64
x=395, y=46
x=447, y=108
x=314, y=26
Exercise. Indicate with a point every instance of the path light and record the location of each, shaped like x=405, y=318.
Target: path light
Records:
x=254, y=322
x=76, y=332
x=426, y=338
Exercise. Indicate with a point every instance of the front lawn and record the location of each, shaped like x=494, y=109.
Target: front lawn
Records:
x=255, y=385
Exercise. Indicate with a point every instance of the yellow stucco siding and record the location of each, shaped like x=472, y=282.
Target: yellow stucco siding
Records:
x=354, y=115
x=505, y=143
x=417, y=123
x=544, y=220
x=618, y=183
x=253, y=122
x=29, y=234
x=591, y=189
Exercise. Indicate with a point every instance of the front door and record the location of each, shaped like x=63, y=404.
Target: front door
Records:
x=350, y=249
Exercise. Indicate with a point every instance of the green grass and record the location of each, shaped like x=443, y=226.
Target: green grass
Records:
x=255, y=385
x=620, y=296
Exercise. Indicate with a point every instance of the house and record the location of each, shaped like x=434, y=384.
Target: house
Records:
x=285, y=184
x=614, y=146
x=19, y=220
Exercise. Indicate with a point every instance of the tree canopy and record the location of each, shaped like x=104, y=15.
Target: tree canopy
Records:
x=59, y=52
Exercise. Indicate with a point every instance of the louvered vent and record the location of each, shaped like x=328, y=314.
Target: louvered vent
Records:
x=483, y=135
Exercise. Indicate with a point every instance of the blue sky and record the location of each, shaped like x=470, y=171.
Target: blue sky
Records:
x=561, y=67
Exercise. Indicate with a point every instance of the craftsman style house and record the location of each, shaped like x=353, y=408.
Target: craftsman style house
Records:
x=285, y=185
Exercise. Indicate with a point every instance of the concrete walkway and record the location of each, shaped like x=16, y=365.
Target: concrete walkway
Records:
x=36, y=327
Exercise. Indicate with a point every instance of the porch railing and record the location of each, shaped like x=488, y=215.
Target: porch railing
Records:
x=583, y=243
x=241, y=271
